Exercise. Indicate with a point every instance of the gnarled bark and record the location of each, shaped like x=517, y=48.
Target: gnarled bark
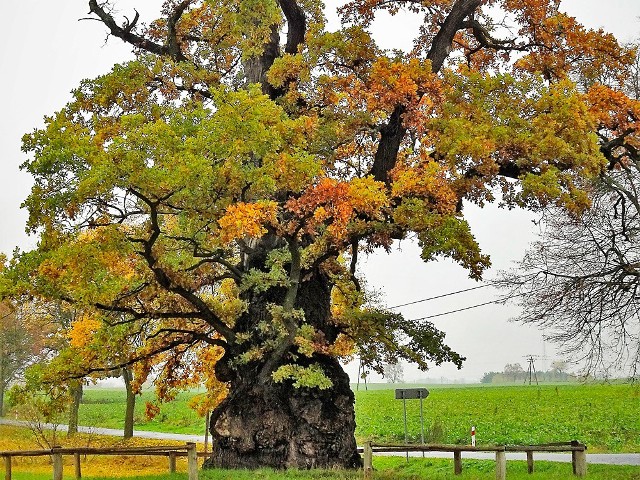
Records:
x=277, y=425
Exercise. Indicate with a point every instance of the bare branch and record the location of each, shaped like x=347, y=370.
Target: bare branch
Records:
x=126, y=33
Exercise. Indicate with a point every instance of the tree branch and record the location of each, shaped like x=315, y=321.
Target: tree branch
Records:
x=297, y=24
x=127, y=35
x=287, y=318
x=166, y=282
x=173, y=46
x=392, y=133
x=441, y=45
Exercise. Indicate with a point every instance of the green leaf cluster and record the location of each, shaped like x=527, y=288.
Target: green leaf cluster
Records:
x=308, y=377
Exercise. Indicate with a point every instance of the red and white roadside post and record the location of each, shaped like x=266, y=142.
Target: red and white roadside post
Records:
x=473, y=436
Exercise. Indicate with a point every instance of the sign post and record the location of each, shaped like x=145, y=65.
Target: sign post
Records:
x=405, y=394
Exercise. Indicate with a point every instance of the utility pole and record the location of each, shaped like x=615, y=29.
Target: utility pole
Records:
x=532, y=368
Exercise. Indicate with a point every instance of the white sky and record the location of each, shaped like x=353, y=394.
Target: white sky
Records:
x=46, y=53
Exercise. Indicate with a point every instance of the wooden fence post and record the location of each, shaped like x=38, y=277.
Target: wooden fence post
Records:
x=76, y=466
x=368, y=459
x=7, y=467
x=57, y=463
x=192, y=461
x=172, y=462
x=501, y=465
x=457, y=462
x=579, y=460
x=530, y=461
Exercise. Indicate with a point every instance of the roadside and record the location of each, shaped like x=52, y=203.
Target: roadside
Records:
x=593, y=458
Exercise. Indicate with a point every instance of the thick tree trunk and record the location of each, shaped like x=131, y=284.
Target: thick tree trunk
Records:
x=76, y=397
x=263, y=423
x=280, y=426
x=127, y=375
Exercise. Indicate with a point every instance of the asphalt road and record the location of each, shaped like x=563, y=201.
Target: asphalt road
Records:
x=601, y=458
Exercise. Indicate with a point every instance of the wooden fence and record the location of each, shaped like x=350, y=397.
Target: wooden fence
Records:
x=577, y=449
x=578, y=455
x=56, y=453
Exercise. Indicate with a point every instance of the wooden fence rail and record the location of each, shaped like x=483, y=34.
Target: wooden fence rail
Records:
x=578, y=455
x=56, y=453
x=577, y=449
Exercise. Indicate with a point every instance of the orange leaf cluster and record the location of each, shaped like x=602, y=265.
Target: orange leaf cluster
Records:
x=613, y=109
x=334, y=204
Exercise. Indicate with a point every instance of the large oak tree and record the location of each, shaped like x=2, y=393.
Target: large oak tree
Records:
x=213, y=195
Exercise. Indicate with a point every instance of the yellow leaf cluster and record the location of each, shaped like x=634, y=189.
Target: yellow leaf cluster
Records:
x=83, y=330
x=247, y=220
x=367, y=195
x=427, y=180
x=344, y=346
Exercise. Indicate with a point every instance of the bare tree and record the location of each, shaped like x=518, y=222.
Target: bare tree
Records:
x=559, y=366
x=20, y=343
x=513, y=371
x=580, y=281
x=394, y=372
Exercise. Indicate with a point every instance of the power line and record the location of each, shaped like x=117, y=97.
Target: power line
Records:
x=497, y=300
x=455, y=311
x=440, y=296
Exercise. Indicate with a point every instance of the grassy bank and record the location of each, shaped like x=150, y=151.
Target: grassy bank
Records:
x=93, y=466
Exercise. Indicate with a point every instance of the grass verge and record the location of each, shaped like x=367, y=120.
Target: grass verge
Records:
x=93, y=466
x=397, y=469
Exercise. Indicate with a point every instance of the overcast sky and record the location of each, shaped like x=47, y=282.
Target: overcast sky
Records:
x=47, y=51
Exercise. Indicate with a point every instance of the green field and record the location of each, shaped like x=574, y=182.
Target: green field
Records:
x=605, y=417
x=105, y=408
x=397, y=468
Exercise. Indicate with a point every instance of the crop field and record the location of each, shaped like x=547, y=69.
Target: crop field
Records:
x=105, y=408
x=604, y=416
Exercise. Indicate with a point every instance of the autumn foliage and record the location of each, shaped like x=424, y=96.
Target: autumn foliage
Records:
x=205, y=203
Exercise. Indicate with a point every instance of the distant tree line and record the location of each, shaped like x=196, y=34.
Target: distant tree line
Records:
x=513, y=373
